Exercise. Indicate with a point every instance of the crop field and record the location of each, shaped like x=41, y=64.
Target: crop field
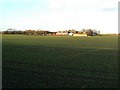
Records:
x=59, y=61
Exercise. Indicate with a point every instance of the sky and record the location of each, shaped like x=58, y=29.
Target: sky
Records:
x=56, y=15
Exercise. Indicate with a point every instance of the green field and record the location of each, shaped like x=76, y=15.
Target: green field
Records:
x=59, y=61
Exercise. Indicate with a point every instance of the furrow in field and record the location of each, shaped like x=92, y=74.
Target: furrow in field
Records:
x=42, y=67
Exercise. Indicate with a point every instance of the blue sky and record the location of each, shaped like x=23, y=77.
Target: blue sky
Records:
x=57, y=15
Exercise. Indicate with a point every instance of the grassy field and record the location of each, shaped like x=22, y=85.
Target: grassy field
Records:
x=60, y=61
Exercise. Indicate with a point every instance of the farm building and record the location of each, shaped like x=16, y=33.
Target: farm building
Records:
x=81, y=35
x=51, y=33
x=61, y=33
x=70, y=34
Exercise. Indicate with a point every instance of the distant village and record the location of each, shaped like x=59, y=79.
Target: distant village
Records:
x=72, y=32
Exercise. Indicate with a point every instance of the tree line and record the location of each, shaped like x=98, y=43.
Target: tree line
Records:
x=89, y=32
x=26, y=32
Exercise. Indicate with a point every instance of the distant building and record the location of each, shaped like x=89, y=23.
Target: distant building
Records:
x=51, y=33
x=62, y=33
x=81, y=35
x=70, y=34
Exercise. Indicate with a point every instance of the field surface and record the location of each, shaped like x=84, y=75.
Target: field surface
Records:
x=59, y=61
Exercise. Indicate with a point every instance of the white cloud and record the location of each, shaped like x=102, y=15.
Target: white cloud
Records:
x=82, y=3
x=110, y=4
x=55, y=4
x=78, y=14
